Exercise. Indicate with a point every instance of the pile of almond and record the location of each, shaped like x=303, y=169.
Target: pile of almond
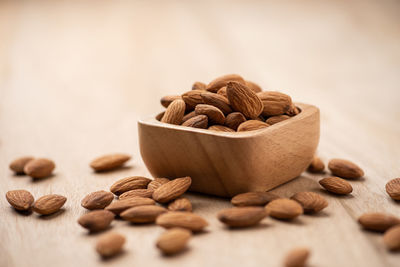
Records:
x=228, y=104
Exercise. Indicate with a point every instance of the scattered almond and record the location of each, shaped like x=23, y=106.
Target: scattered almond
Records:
x=172, y=190
x=222, y=81
x=222, y=92
x=297, y=257
x=274, y=103
x=198, y=121
x=393, y=188
x=214, y=114
x=220, y=128
x=391, y=238
x=109, y=162
x=192, y=98
x=160, y=115
x=283, y=208
x=244, y=100
x=143, y=214
x=129, y=183
x=234, y=119
x=156, y=183
x=253, y=86
x=173, y=240
x=186, y=220
x=97, y=200
x=20, y=199
x=293, y=110
x=167, y=100
x=378, y=221
x=316, y=165
x=253, y=199
x=217, y=101
x=345, y=169
x=199, y=86
x=49, y=204
x=275, y=119
x=252, y=125
x=119, y=206
x=180, y=204
x=310, y=201
x=137, y=193
x=336, y=185
x=242, y=216
x=175, y=112
x=39, y=168
x=18, y=164
x=110, y=244
x=97, y=220
x=188, y=116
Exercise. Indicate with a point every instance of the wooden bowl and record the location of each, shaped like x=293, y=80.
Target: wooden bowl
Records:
x=224, y=163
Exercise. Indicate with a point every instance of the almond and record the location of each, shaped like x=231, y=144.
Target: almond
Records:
x=167, y=100
x=253, y=86
x=316, y=165
x=97, y=220
x=275, y=119
x=137, y=193
x=252, y=125
x=160, y=115
x=188, y=116
x=186, y=220
x=217, y=101
x=391, y=238
x=234, y=119
x=220, y=128
x=283, y=208
x=244, y=100
x=143, y=214
x=129, y=183
x=293, y=110
x=199, y=86
x=20, y=199
x=311, y=202
x=222, y=92
x=222, y=81
x=18, y=164
x=378, y=221
x=297, y=257
x=109, y=162
x=119, y=206
x=242, y=216
x=173, y=240
x=274, y=103
x=97, y=200
x=345, y=169
x=172, y=190
x=156, y=183
x=49, y=204
x=336, y=185
x=192, y=98
x=198, y=121
x=39, y=168
x=110, y=244
x=214, y=114
x=180, y=204
x=253, y=199
x=393, y=188
x=175, y=112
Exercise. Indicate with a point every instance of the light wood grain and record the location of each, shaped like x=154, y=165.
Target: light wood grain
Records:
x=76, y=76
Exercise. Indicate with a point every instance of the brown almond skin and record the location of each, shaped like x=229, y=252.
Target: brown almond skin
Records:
x=199, y=86
x=220, y=128
x=192, y=99
x=252, y=125
x=119, y=206
x=234, y=119
x=143, y=214
x=391, y=238
x=175, y=112
x=110, y=244
x=242, y=216
x=253, y=86
x=157, y=182
x=222, y=92
x=109, y=162
x=173, y=240
x=188, y=116
x=181, y=219
x=39, y=168
x=274, y=103
x=316, y=165
x=378, y=221
x=217, y=101
x=283, y=208
x=297, y=257
x=168, y=99
x=276, y=119
x=137, y=193
x=214, y=114
x=336, y=185
x=244, y=100
x=222, y=81
x=293, y=110
x=18, y=164
x=310, y=201
x=96, y=220
x=180, y=204
x=393, y=188
x=160, y=115
x=49, y=204
x=20, y=199
x=172, y=190
x=97, y=200
x=345, y=169
x=198, y=121
x=129, y=183
x=253, y=199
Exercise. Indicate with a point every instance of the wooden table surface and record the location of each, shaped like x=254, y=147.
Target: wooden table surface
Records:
x=75, y=76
